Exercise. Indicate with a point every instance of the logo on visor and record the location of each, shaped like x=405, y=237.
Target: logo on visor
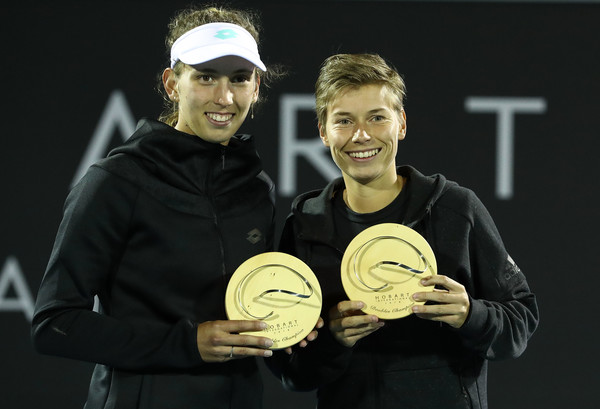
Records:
x=225, y=34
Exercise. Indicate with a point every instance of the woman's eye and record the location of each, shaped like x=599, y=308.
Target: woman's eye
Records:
x=240, y=78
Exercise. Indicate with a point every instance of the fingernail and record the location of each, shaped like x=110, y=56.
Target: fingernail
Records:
x=262, y=325
x=268, y=353
x=415, y=296
x=269, y=343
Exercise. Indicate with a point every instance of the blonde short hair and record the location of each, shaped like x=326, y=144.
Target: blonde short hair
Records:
x=342, y=71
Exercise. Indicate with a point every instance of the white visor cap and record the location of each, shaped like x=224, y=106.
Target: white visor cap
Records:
x=214, y=40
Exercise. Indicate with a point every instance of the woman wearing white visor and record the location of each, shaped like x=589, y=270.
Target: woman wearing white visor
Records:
x=155, y=231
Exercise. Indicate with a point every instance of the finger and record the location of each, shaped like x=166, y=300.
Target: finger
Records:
x=441, y=310
x=360, y=332
x=350, y=339
x=301, y=344
x=443, y=297
x=236, y=336
x=442, y=281
x=355, y=321
x=312, y=336
x=454, y=320
x=244, y=340
x=434, y=317
x=242, y=326
x=345, y=308
x=244, y=352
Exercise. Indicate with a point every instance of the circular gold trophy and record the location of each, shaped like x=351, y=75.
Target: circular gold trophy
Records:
x=383, y=266
x=279, y=289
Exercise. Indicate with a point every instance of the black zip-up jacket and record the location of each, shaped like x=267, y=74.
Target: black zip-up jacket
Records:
x=155, y=231
x=413, y=362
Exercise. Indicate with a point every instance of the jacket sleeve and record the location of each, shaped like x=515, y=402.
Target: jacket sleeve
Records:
x=87, y=249
x=323, y=359
x=503, y=313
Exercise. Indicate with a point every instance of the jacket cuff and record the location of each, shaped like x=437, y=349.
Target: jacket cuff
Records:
x=192, y=347
x=331, y=349
x=475, y=322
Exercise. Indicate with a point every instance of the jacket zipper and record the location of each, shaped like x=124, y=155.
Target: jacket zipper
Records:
x=216, y=220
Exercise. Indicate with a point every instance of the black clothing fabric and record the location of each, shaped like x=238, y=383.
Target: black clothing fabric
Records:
x=155, y=231
x=348, y=223
x=412, y=362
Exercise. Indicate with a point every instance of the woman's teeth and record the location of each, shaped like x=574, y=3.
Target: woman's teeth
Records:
x=363, y=155
x=219, y=117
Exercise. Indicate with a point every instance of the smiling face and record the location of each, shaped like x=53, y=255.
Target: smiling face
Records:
x=362, y=131
x=214, y=97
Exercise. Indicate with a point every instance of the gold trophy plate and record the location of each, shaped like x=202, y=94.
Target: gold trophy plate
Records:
x=279, y=289
x=383, y=265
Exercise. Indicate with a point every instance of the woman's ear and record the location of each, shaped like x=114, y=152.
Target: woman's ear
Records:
x=169, y=80
x=257, y=87
x=402, y=131
x=323, y=135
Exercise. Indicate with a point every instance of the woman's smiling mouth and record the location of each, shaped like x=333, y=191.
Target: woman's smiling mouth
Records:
x=364, y=154
x=219, y=119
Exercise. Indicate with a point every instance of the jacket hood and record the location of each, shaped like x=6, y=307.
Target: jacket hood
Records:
x=187, y=162
x=315, y=208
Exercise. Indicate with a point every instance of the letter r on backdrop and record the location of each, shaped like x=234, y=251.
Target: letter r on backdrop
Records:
x=290, y=147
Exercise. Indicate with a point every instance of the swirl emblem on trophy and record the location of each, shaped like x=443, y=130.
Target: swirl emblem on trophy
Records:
x=383, y=265
x=279, y=289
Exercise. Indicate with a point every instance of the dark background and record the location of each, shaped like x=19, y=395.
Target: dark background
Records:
x=62, y=61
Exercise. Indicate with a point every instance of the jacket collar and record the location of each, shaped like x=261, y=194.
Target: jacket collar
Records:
x=189, y=163
x=313, y=211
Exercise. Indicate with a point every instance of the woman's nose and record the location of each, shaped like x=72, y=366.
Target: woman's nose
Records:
x=223, y=95
x=360, y=136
